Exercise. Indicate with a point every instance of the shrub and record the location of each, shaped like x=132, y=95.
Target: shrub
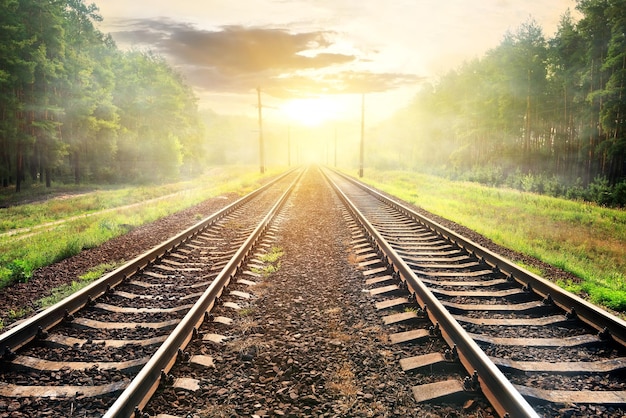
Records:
x=17, y=271
x=619, y=194
x=528, y=183
x=514, y=180
x=576, y=191
x=600, y=192
x=553, y=187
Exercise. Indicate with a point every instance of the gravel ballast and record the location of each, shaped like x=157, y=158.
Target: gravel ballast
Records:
x=309, y=342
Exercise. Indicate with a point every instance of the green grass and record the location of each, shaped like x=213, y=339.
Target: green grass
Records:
x=15, y=314
x=111, y=216
x=272, y=255
x=61, y=292
x=63, y=202
x=98, y=271
x=271, y=262
x=584, y=239
x=245, y=312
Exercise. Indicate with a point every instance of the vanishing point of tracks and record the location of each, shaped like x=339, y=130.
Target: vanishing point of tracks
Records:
x=466, y=325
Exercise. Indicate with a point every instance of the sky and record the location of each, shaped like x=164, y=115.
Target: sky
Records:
x=313, y=60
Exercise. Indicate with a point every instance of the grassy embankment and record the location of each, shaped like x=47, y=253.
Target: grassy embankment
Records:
x=38, y=234
x=581, y=238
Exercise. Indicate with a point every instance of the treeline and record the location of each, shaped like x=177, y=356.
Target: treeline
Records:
x=73, y=107
x=537, y=113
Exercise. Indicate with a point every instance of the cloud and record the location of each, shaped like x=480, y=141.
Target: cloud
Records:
x=342, y=82
x=238, y=58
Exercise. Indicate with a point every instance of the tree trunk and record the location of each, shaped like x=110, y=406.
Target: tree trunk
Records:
x=18, y=170
x=76, y=168
x=527, y=158
x=48, y=179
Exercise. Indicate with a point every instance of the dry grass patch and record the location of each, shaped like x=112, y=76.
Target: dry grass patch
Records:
x=383, y=337
x=378, y=332
x=342, y=381
x=335, y=334
x=333, y=311
x=248, y=345
x=247, y=325
x=232, y=225
x=338, y=336
x=261, y=289
x=387, y=356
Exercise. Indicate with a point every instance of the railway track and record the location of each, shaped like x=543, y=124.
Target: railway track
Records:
x=461, y=323
x=123, y=332
x=526, y=345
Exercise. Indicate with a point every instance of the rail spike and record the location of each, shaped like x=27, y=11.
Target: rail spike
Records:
x=8, y=354
x=451, y=354
x=434, y=330
x=471, y=384
x=548, y=300
x=571, y=314
x=183, y=356
x=138, y=413
x=41, y=334
x=166, y=379
x=605, y=334
x=421, y=312
x=67, y=317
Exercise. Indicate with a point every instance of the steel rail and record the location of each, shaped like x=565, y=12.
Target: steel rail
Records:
x=29, y=329
x=143, y=386
x=502, y=395
x=607, y=325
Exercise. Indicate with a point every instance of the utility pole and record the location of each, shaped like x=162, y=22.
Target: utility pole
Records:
x=261, y=147
x=298, y=145
x=362, y=134
x=335, y=146
x=289, y=146
x=327, y=151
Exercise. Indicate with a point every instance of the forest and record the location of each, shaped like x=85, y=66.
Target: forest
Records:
x=536, y=113
x=540, y=114
x=75, y=108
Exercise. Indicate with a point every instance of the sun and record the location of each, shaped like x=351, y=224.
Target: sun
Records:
x=312, y=111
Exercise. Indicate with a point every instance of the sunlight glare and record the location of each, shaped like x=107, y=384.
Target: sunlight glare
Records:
x=312, y=111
